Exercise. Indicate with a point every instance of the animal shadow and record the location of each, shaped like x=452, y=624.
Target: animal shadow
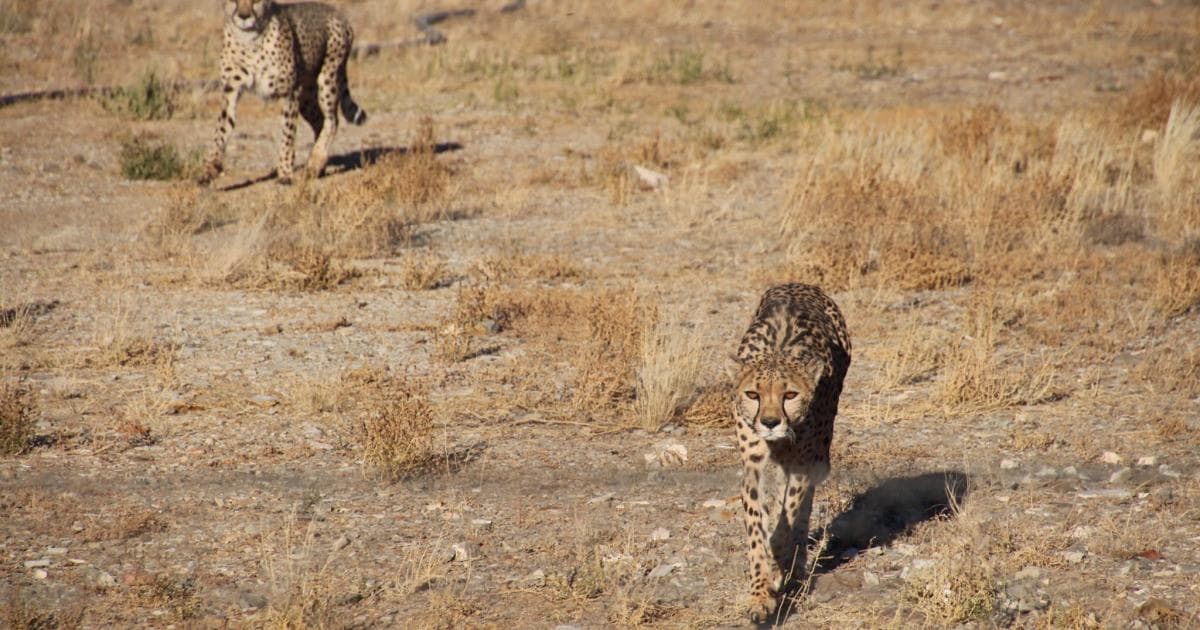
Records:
x=346, y=162
x=877, y=517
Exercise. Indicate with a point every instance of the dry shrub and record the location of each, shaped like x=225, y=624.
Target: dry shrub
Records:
x=616, y=322
x=1171, y=370
x=670, y=364
x=961, y=585
x=423, y=270
x=1149, y=104
x=711, y=407
x=1175, y=287
x=189, y=212
x=414, y=179
x=918, y=353
x=392, y=421
x=16, y=418
x=513, y=265
x=300, y=577
x=1176, y=175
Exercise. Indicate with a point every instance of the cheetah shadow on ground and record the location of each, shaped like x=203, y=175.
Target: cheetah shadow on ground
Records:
x=876, y=518
x=346, y=162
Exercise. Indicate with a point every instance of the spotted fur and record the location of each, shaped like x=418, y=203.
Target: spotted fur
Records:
x=793, y=357
x=295, y=52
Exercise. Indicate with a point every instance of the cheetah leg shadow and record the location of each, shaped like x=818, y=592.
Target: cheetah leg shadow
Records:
x=877, y=517
x=342, y=162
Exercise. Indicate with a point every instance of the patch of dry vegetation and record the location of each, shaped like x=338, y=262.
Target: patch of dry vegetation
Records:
x=392, y=420
x=670, y=364
x=16, y=418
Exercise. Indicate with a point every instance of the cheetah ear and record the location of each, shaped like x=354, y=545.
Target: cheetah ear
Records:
x=815, y=369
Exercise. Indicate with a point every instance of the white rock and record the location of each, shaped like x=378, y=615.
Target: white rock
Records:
x=481, y=524
x=1148, y=460
x=660, y=534
x=35, y=564
x=1110, y=457
x=652, y=179
x=1073, y=557
x=1167, y=471
x=870, y=579
x=1106, y=493
x=465, y=551
x=1119, y=476
x=1008, y=464
x=40, y=574
x=662, y=570
x=1149, y=136
x=56, y=551
x=1071, y=471
x=997, y=75
x=715, y=503
x=106, y=580
x=607, y=496
x=340, y=543
x=1047, y=471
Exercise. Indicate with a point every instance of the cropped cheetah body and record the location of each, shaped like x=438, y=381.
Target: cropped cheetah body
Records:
x=794, y=357
x=296, y=52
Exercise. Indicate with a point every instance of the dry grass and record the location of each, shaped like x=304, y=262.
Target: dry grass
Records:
x=16, y=418
x=422, y=270
x=392, y=421
x=962, y=583
x=916, y=355
x=301, y=579
x=671, y=359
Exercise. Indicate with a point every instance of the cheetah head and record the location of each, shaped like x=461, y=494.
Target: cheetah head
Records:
x=248, y=15
x=773, y=397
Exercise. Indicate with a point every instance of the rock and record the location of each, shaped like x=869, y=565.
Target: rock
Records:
x=481, y=524
x=1047, y=471
x=667, y=454
x=341, y=543
x=1166, y=471
x=1148, y=460
x=870, y=579
x=1110, y=457
x=105, y=580
x=538, y=577
x=1074, y=556
x=1119, y=476
x=36, y=564
x=715, y=503
x=1106, y=493
x=662, y=570
x=1024, y=596
x=40, y=574
x=660, y=534
x=651, y=179
x=1008, y=464
x=997, y=75
x=1070, y=471
x=263, y=401
x=603, y=498
x=56, y=551
x=252, y=601
x=465, y=551
x=1149, y=136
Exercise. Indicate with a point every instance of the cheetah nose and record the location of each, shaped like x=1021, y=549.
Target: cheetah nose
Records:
x=770, y=423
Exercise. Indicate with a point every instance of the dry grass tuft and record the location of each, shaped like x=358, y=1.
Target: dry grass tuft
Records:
x=616, y=324
x=710, y=407
x=670, y=363
x=1149, y=104
x=422, y=270
x=16, y=418
x=414, y=179
x=392, y=421
x=1175, y=287
x=962, y=583
x=917, y=354
x=302, y=583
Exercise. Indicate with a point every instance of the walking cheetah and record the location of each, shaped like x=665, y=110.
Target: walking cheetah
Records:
x=296, y=52
x=794, y=357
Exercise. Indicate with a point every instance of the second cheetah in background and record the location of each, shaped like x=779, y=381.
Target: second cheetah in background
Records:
x=793, y=358
x=296, y=52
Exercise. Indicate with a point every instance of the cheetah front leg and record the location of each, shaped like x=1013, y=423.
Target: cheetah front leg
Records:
x=287, y=148
x=764, y=571
x=789, y=545
x=225, y=125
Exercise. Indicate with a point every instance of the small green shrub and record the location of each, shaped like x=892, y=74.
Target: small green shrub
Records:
x=144, y=158
x=148, y=99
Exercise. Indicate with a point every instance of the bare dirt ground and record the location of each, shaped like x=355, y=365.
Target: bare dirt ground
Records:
x=480, y=382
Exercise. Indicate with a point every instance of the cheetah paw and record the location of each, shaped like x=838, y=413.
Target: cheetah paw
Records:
x=761, y=608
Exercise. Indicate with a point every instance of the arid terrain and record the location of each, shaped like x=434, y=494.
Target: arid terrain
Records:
x=477, y=375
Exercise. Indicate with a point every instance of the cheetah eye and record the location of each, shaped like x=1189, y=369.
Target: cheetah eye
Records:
x=789, y=395
x=751, y=395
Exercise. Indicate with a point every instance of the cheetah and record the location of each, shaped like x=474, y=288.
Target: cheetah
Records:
x=793, y=359
x=296, y=52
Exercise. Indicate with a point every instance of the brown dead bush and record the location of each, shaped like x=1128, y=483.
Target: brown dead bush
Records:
x=392, y=421
x=16, y=418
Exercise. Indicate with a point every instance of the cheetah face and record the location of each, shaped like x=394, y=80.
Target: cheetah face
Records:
x=774, y=404
x=247, y=14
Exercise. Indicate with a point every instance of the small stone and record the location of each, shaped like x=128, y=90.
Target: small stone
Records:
x=481, y=524
x=40, y=574
x=1148, y=460
x=34, y=564
x=1106, y=493
x=465, y=551
x=1047, y=471
x=1008, y=464
x=660, y=534
x=603, y=498
x=1149, y=136
x=1166, y=471
x=105, y=580
x=715, y=503
x=1110, y=457
x=1074, y=556
x=651, y=179
x=56, y=551
x=997, y=75
x=1070, y=471
x=662, y=570
x=1119, y=476
x=870, y=579
x=341, y=543
x=538, y=577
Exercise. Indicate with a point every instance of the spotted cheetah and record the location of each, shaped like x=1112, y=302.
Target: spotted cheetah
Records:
x=793, y=358
x=296, y=52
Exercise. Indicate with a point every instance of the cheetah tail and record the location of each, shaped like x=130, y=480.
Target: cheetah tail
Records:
x=351, y=111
